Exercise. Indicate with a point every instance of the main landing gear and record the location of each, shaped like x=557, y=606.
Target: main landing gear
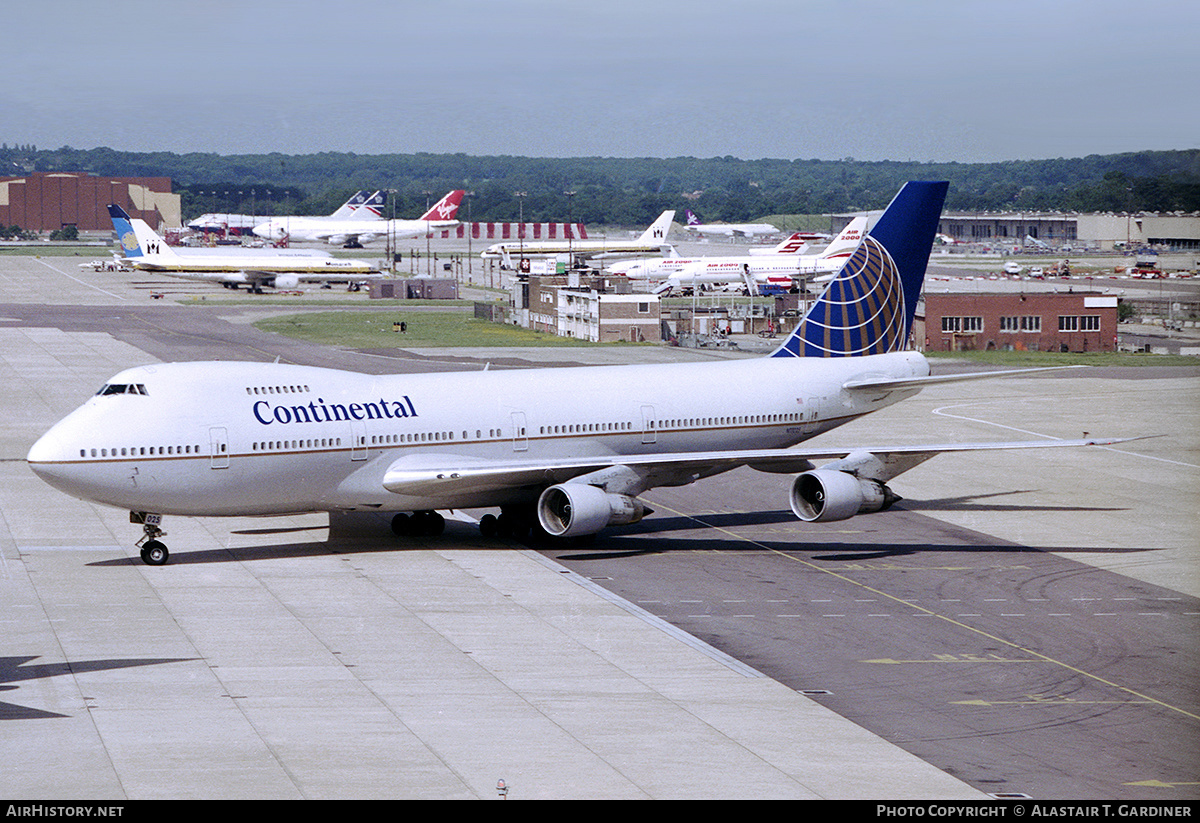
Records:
x=514, y=522
x=418, y=523
x=154, y=551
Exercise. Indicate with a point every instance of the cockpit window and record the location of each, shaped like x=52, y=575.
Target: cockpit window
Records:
x=122, y=388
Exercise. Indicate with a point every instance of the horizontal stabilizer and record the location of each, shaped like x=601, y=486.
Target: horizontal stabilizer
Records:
x=933, y=380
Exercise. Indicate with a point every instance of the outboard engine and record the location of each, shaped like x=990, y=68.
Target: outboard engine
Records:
x=822, y=495
x=572, y=509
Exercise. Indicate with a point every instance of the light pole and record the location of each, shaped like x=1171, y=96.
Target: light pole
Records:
x=428, y=261
x=570, y=232
x=470, y=231
x=521, y=195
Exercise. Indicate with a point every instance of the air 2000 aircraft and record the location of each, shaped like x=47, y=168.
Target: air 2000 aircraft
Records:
x=564, y=450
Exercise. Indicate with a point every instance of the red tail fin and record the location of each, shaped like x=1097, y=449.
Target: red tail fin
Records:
x=446, y=208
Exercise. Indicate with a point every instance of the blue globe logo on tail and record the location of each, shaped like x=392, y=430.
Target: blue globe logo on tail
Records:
x=861, y=311
x=868, y=307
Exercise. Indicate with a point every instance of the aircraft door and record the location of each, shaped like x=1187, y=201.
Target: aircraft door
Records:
x=810, y=414
x=218, y=448
x=358, y=440
x=649, y=425
x=520, y=437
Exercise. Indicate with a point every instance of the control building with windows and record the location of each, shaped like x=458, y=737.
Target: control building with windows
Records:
x=600, y=308
x=1027, y=321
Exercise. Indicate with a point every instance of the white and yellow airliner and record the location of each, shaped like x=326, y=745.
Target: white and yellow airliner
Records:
x=143, y=249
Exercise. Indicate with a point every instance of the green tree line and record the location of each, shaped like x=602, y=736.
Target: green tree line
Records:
x=633, y=191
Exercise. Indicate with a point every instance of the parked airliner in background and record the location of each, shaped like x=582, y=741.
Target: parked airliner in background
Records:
x=751, y=230
x=566, y=451
x=781, y=269
x=143, y=249
x=360, y=204
x=356, y=232
x=653, y=239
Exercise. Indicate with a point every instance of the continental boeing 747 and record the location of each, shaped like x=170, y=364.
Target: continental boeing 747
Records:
x=562, y=451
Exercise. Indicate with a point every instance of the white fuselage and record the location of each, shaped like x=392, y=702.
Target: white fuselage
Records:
x=686, y=272
x=246, y=438
x=543, y=248
x=199, y=261
x=339, y=230
x=734, y=229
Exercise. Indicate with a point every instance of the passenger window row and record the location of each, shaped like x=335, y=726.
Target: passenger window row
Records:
x=139, y=451
x=277, y=389
x=312, y=443
x=739, y=420
x=585, y=428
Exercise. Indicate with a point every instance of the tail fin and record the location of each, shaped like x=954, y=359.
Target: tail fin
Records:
x=845, y=243
x=793, y=245
x=446, y=208
x=372, y=208
x=137, y=239
x=868, y=307
x=692, y=219
x=657, y=233
x=350, y=206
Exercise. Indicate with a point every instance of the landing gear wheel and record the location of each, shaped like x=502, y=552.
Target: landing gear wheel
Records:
x=489, y=526
x=155, y=553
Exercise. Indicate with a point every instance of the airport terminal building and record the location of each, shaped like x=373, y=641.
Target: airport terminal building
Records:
x=1062, y=231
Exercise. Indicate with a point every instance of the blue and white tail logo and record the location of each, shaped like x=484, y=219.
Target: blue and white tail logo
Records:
x=868, y=307
x=861, y=311
x=126, y=236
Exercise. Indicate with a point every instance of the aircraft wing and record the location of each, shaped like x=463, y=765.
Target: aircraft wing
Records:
x=437, y=475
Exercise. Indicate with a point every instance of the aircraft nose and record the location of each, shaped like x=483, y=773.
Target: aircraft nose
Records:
x=46, y=451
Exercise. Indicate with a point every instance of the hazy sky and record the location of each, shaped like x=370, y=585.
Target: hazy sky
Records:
x=900, y=80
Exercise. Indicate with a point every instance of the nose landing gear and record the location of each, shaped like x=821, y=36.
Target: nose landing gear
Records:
x=154, y=551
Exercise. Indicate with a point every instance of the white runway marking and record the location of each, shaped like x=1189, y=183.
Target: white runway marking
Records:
x=943, y=413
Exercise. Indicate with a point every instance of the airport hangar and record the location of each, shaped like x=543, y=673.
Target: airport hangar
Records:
x=48, y=201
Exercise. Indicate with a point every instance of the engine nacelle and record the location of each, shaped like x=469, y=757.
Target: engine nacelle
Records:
x=571, y=509
x=286, y=281
x=822, y=495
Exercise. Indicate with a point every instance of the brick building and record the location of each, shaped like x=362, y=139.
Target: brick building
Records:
x=599, y=308
x=1029, y=321
x=45, y=201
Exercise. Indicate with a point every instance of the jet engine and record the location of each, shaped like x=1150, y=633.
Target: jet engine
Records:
x=572, y=509
x=823, y=495
x=286, y=281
